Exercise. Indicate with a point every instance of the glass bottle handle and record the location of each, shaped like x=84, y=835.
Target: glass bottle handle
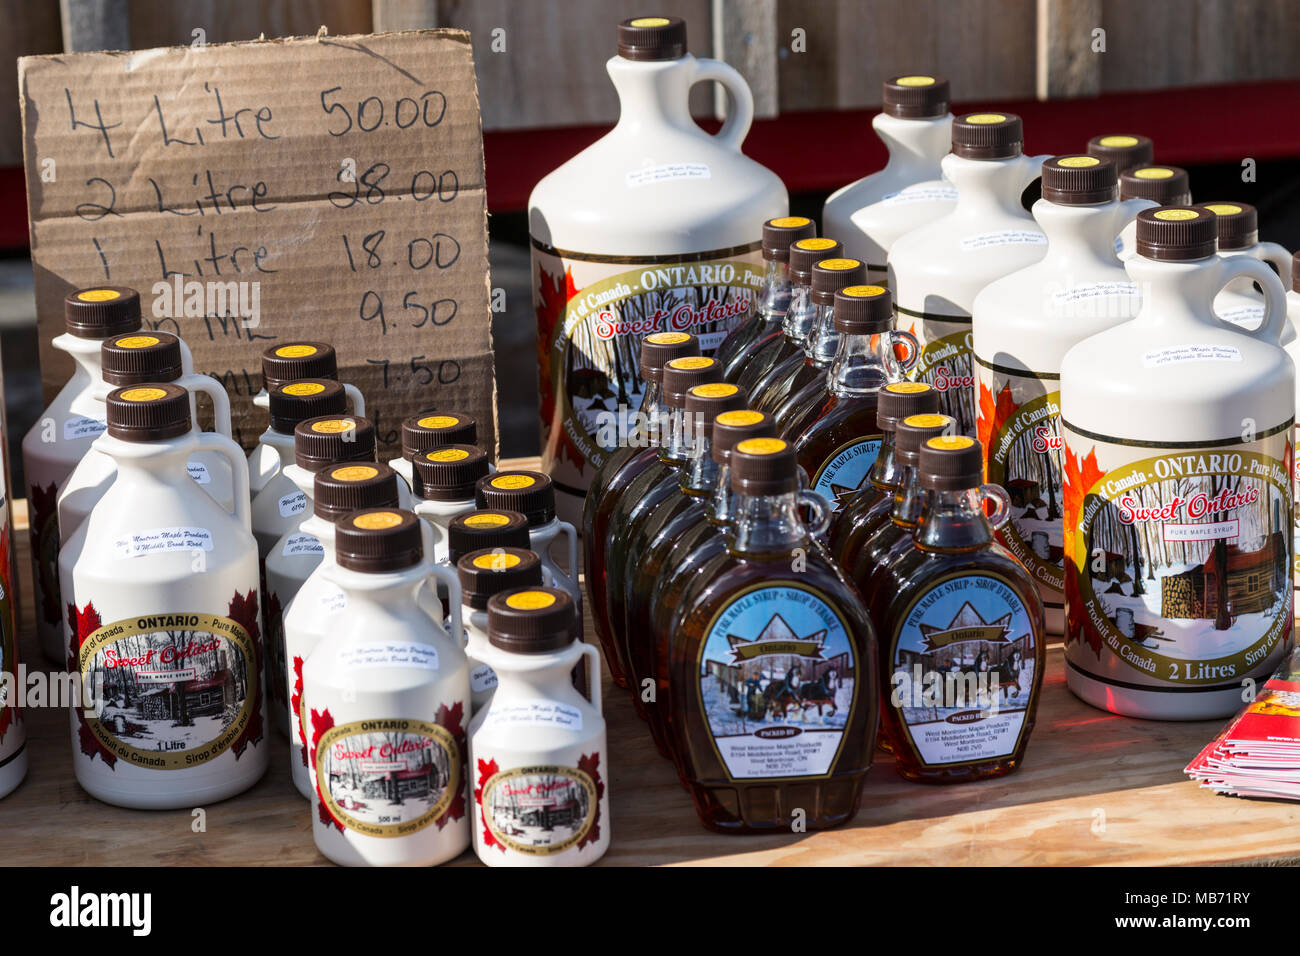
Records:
x=819, y=512
x=1001, y=505
x=913, y=353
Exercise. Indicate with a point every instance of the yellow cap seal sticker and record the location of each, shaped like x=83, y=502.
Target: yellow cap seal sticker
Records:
x=303, y=388
x=1078, y=162
x=714, y=390
x=333, y=426
x=907, y=388
x=667, y=338
x=530, y=600
x=950, y=442
x=137, y=341
x=377, y=520
x=650, y=22
x=447, y=454
x=1153, y=172
x=814, y=244
x=789, y=222
x=839, y=265
x=1176, y=215
x=762, y=446
x=295, y=351
x=690, y=362
x=743, y=416
x=486, y=520
x=498, y=561
x=985, y=119
x=143, y=394
x=914, y=81
x=1223, y=208
x=98, y=295
x=929, y=420
x=438, y=421
x=513, y=482
x=863, y=291
x=1117, y=142
x=354, y=473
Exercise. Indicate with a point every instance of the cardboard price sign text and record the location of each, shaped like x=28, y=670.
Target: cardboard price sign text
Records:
x=337, y=182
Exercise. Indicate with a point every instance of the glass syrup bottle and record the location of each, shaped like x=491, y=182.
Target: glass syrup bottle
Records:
x=864, y=511
x=834, y=431
x=635, y=452
x=962, y=632
x=773, y=665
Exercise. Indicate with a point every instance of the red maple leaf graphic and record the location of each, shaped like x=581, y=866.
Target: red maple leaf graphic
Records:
x=297, y=706
x=554, y=293
x=991, y=416
x=487, y=769
x=243, y=610
x=320, y=723
x=1080, y=478
x=451, y=720
x=275, y=641
x=82, y=624
x=590, y=765
x=42, y=507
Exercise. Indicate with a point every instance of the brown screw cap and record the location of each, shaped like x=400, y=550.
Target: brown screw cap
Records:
x=294, y=402
x=915, y=96
x=781, y=233
x=375, y=540
x=912, y=432
x=1124, y=150
x=863, y=310
x=533, y=620
x=731, y=428
x=683, y=374
x=660, y=348
x=449, y=473
x=950, y=463
x=987, y=135
x=831, y=275
x=342, y=489
x=899, y=400
x=528, y=492
x=1238, y=223
x=652, y=38
x=328, y=439
x=154, y=411
x=429, y=430
x=485, y=528
x=141, y=357
x=1079, y=181
x=764, y=466
x=806, y=253
x=1177, y=233
x=295, y=360
x=490, y=571
x=101, y=312
x=713, y=398
x=1166, y=185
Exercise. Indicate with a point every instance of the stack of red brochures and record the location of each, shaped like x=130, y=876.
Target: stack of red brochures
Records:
x=1258, y=753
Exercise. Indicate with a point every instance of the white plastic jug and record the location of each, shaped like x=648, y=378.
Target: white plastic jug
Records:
x=483, y=573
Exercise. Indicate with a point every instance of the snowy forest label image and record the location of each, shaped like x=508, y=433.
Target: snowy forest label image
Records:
x=539, y=810
x=387, y=778
x=846, y=471
x=172, y=691
x=946, y=365
x=777, y=682
x=591, y=318
x=1178, y=560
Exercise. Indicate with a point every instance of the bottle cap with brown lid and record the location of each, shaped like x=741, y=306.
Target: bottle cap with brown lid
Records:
x=950, y=463
x=831, y=275
x=1166, y=185
x=1079, y=181
x=1124, y=150
x=682, y=374
x=344, y=488
x=327, y=439
x=485, y=528
x=1237, y=222
x=449, y=473
x=915, y=96
x=899, y=400
x=660, y=348
x=528, y=492
x=713, y=398
x=652, y=38
x=764, y=466
x=153, y=411
x=731, y=428
x=294, y=402
x=781, y=233
x=534, y=620
x=101, y=312
x=490, y=571
x=294, y=360
x=1176, y=233
x=863, y=310
x=429, y=430
x=806, y=253
x=987, y=136
x=911, y=433
x=376, y=540
x=138, y=357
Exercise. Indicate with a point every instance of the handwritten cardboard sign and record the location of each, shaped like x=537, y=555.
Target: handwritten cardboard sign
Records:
x=326, y=188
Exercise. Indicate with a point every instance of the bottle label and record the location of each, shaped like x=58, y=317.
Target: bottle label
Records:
x=1178, y=559
x=172, y=691
x=945, y=363
x=921, y=192
x=81, y=427
x=292, y=505
x=962, y=670
x=539, y=811
x=1192, y=352
x=302, y=543
x=158, y=540
x=666, y=172
x=778, y=682
x=533, y=713
x=482, y=678
x=846, y=471
x=1003, y=237
x=593, y=311
x=198, y=471
x=1018, y=424
x=332, y=597
x=368, y=654
x=387, y=778
x=1295, y=468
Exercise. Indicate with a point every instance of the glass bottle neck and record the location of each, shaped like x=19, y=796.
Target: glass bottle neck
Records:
x=910, y=499
x=955, y=521
x=863, y=364
x=650, y=421
x=802, y=315
x=774, y=293
x=824, y=341
x=886, y=472
x=681, y=441
x=722, y=504
x=768, y=524
x=700, y=476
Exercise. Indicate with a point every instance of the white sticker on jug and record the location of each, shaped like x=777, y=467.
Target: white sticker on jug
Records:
x=389, y=654
x=198, y=471
x=293, y=505
x=482, y=678
x=1244, y=315
x=921, y=193
x=649, y=175
x=1093, y=290
x=1179, y=354
x=1003, y=237
x=157, y=540
x=333, y=598
x=302, y=543
x=537, y=713
x=83, y=427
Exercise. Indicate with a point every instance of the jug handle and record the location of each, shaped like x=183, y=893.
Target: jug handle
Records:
x=209, y=386
x=740, y=105
x=571, y=534
x=439, y=535
x=592, y=655
x=358, y=400
x=1270, y=330
x=223, y=446
x=1277, y=254
x=451, y=579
